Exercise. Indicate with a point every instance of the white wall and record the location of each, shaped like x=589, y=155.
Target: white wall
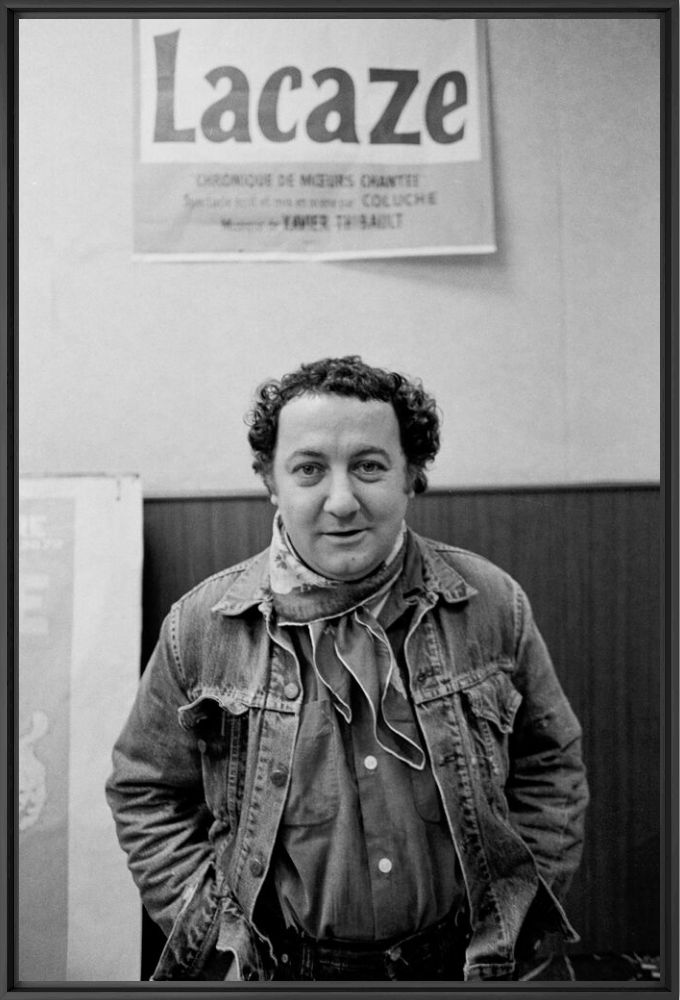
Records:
x=544, y=357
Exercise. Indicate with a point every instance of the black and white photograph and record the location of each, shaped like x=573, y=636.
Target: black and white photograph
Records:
x=343, y=356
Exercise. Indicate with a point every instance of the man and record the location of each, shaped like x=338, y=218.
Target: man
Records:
x=350, y=757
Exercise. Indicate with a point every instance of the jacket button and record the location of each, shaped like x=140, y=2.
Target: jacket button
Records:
x=279, y=776
x=202, y=746
x=291, y=690
x=256, y=867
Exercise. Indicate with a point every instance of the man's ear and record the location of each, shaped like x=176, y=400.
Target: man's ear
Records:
x=411, y=475
x=269, y=483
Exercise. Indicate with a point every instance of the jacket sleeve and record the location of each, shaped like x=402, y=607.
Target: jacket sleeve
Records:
x=547, y=790
x=156, y=792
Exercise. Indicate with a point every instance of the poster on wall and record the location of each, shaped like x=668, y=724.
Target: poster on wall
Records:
x=80, y=558
x=310, y=138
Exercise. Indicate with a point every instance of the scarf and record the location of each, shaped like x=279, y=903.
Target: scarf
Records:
x=348, y=643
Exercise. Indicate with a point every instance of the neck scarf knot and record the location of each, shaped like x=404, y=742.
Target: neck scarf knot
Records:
x=348, y=643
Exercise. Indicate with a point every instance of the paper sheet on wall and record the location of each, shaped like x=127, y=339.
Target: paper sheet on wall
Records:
x=80, y=558
x=304, y=138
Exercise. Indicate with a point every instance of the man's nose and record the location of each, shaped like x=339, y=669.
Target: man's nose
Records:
x=341, y=500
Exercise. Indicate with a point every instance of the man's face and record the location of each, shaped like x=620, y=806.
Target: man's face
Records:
x=339, y=479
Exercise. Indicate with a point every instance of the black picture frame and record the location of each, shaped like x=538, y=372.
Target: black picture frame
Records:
x=667, y=12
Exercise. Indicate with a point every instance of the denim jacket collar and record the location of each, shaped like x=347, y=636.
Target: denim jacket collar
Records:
x=249, y=585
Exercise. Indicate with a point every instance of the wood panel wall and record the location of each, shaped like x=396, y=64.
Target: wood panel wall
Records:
x=590, y=560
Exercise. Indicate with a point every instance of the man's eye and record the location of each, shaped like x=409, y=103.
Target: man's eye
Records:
x=307, y=469
x=370, y=468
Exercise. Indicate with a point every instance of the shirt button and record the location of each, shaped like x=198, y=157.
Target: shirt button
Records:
x=279, y=776
x=385, y=865
x=256, y=867
x=291, y=690
x=370, y=763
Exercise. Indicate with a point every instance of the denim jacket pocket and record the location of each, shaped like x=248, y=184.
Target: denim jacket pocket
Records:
x=492, y=705
x=220, y=734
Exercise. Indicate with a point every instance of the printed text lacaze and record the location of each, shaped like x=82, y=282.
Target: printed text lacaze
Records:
x=447, y=94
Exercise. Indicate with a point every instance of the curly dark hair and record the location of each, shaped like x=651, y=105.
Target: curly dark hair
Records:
x=416, y=411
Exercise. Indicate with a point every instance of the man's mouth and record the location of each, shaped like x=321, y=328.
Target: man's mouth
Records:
x=349, y=533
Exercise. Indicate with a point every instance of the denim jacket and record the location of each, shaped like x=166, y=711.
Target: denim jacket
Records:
x=202, y=767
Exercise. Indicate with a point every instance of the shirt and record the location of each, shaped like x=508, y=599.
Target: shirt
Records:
x=364, y=852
